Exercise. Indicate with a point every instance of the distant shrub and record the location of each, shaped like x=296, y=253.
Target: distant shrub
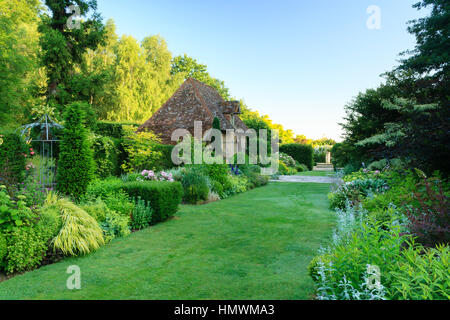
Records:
x=301, y=167
x=13, y=151
x=76, y=163
x=164, y=197
x=355, y=191
x=195, y=187
x=287, y=160
x=300, y=152
x=253, y=175
x=283, y=170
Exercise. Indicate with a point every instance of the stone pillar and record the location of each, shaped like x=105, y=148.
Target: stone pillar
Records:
x=328, y=157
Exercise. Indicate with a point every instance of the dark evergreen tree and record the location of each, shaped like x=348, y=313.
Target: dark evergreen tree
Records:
x=76, y=161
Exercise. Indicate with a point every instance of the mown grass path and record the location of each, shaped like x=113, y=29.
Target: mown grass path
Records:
x=256, y=245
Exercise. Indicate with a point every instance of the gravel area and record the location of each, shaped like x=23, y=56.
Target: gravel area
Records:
x=306, y=179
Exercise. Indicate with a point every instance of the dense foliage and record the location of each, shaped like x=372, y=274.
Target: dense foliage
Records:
x=13, y=159
x=378, y=248
x=76, y=163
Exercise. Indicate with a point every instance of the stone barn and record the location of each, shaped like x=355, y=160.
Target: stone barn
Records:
x=194, y=101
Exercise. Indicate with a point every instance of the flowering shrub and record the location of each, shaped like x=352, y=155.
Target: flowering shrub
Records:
x=287, y=159
x=161, y=176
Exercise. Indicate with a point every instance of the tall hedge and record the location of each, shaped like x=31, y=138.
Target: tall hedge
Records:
x=76, y=161
x=164, y=197
x=12, y=159
x=301, y=152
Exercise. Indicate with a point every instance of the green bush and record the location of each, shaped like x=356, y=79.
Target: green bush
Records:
x=282, y=168
x=13, y=150
x=195, y=187
x=164, y=197
x=96, y=210
x=49, y=223
x=238, y=184
x=142, y=215
x=105, y=156
x=3, y=249
x=356, y=191
x=102, y=188
x=76, y=163
x=115, y=225
x=421, y=274
x=300, y=167
x=111, y=192
x=13, y=213
x=26, y=249
x=287, y=160
x=217, y=188
x=300, y=152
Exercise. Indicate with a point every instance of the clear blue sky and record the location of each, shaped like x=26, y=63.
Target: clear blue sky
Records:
x=299, y=61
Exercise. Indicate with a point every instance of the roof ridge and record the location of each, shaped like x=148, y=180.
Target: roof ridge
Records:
x=199, y=96
x=197, y=82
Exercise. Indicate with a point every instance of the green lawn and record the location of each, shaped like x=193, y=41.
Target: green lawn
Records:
x=316, y=173
x=256, y=245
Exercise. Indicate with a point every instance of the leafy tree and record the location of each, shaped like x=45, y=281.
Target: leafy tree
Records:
x=63, y=48
x=18, y=58
x=190, y=68
x=76, y=162
x=408, y=116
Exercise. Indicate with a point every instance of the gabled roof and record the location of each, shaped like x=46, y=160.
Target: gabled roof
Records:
x=193, y=101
